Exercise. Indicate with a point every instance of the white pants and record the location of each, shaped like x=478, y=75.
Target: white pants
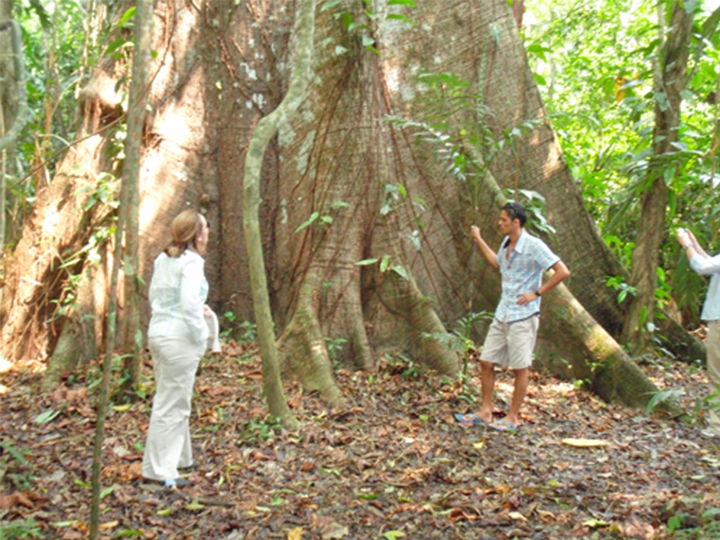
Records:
x=175, y=362
x=712, y=345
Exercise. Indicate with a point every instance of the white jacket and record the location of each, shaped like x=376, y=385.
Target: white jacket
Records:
x=178, y=291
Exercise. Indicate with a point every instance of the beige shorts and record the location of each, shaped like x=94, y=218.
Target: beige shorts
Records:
x=511, y=344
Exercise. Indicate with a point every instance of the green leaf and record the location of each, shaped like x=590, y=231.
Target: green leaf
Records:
x=401, y=272
x=710, y=24
x=392, y=535
x=107, y=491
x=129, y=14
x=410, y=3
x=9, y=448
x=667, y=395
x=539, y=79
x=366, y=262
x=309, y=222
x=402, y=18
x=368, y=496
x=195, y=505
x=367, y=40
x=63, y=523
x=385, y=263
x=329, y=4
x=115, y=45
x=47, y=416
x=129, y=532
x=674, y=523
x=164, y=512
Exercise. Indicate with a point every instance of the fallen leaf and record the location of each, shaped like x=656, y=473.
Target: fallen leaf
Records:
x=340, y=532
x=585, y=443
x=295, y=534
x=517, y=516
x=595, y=523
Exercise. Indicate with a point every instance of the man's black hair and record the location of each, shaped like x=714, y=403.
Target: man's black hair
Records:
x=515, y=211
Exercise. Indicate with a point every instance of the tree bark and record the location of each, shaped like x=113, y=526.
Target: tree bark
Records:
x=265, y=130
x=340, y=184
x=672, y=62
x=132, y=341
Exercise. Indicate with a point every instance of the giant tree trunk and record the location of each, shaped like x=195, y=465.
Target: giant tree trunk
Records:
x=341, y=185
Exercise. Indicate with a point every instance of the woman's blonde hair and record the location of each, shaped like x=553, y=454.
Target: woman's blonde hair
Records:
x=184, y=231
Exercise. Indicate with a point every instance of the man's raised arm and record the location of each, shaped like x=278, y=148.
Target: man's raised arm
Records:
x=487, y=252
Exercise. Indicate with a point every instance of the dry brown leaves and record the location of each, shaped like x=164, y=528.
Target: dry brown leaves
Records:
x=390, y=464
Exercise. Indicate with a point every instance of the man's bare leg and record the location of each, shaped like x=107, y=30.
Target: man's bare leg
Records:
x=522, y=377
x=487, y=384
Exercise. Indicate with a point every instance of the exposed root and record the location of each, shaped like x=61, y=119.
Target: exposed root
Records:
x=303, y=351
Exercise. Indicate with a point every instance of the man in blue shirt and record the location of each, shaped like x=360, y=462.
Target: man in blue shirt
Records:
x=521, y=259
x=705, y=265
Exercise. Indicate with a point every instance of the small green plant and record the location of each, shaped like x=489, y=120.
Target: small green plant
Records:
x=459, y=339
x=245, y=332
x=624, y=289
x=335, y=347
x=230, y=318
x=260, y=430
x=667, y=395
x=20, y=529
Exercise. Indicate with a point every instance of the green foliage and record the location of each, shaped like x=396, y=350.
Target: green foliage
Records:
x=362, y=25
x=667, y=395
x=12, y=530
x=260, y=430
x=335, y=347
x=690, y=518
x=459, y=339
x=596, y=64
x=404, y=366
x=455, y=127
x=534, y=203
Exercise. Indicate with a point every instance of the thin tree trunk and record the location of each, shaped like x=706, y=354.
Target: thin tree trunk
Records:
x=265, y=130
x=139, y=87
x=103, y=396
x=21, y=114
x=672, y=73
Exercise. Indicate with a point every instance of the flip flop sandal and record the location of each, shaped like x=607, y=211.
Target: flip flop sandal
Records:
x=470, y=420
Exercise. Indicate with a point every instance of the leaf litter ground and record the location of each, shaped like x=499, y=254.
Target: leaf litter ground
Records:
x=391, y=463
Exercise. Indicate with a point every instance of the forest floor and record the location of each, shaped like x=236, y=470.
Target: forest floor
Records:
x=391, y=464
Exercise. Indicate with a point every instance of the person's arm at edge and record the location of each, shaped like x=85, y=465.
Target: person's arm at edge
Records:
x=696, y=246
x=699, y=261
x=488, y=253
x=561, y=273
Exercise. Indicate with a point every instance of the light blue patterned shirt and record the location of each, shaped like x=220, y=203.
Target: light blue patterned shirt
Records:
x=178, y=291
x=709, y=266
x=522, y=273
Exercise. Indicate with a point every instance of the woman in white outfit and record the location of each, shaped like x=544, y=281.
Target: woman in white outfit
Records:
x=178, y=338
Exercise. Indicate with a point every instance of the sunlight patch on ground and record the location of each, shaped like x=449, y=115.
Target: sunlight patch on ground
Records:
x=5, y=366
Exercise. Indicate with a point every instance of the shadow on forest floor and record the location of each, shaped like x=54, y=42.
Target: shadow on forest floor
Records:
x=392, y=464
